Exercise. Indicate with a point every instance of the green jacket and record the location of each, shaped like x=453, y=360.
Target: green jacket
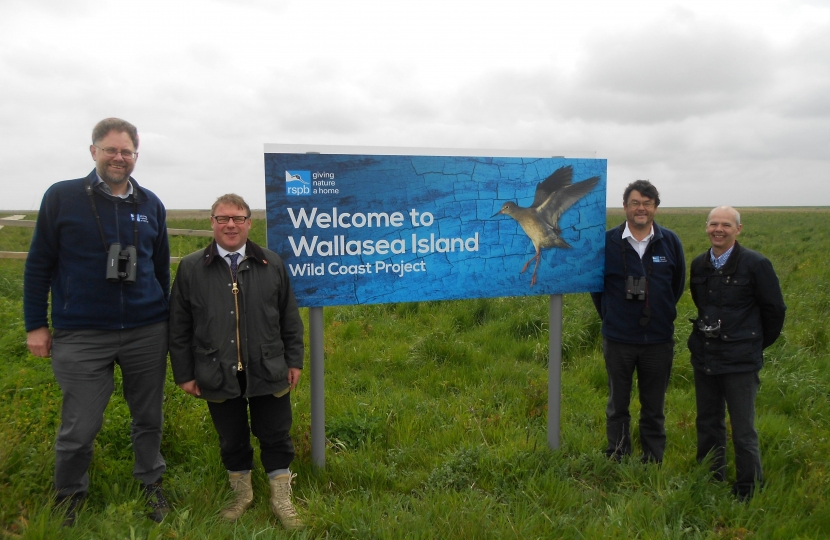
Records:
x=204, y=320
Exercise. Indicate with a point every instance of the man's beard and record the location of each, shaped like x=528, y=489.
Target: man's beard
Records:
x=109, y=178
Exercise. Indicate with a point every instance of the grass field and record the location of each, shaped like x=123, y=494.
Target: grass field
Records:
x=436, y=423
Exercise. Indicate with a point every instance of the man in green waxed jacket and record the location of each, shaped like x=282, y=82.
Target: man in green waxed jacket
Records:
x=236, y=340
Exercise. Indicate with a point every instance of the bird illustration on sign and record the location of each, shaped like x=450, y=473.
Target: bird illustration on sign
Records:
x=540, y=221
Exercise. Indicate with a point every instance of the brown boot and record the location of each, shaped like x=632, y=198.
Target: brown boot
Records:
x=244, y=494
x=281, y=502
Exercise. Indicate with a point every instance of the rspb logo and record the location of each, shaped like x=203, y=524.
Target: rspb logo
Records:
x=297, y=183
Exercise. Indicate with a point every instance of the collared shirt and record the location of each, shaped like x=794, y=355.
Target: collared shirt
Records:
x=638, y=245
x=224, y=253
x=717, y=262
x=106, y=187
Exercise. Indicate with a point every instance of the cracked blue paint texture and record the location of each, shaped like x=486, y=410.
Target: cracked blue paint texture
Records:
x=461, y=194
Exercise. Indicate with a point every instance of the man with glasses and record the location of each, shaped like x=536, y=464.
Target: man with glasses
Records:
x=740, y=312
x=645, y=273
x=100, y=246
x=236, y=340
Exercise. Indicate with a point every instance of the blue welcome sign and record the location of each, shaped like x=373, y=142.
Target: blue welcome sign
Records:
x=379, y=225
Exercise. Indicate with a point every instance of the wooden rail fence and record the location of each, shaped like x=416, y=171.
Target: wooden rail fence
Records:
x=18, y=221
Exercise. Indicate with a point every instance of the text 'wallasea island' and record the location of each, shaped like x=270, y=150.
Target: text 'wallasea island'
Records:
x=337, y=244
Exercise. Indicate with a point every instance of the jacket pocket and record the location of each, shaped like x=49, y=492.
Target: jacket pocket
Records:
x=273, y=362
x=697, y=286
x=208, y=369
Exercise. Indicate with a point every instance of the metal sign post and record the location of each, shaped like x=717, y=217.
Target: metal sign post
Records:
x=554, y=370
x=318, y=398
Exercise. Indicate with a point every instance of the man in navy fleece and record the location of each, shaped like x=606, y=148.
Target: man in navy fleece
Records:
x=645, y=273
x=100, y=246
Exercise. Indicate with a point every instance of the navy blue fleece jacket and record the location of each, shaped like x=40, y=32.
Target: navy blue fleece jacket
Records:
x=67, y=256
x=665, y=266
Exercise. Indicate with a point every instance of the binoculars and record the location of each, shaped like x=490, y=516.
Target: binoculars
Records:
x=635, y=288
x=121, y=264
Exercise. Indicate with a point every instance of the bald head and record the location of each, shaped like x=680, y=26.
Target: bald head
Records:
x=735, y=214
x=723, y=227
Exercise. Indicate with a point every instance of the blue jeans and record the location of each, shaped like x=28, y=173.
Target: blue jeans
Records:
x=714, y=395
x=83, y=362
x=653, y=364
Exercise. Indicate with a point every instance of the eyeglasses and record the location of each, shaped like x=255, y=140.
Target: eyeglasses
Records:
x=638, y=204
x=112, y=152
x=239, y=220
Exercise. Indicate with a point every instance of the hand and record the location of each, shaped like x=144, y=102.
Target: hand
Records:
x=39, y=342
x=293, y=377
x=191, y=388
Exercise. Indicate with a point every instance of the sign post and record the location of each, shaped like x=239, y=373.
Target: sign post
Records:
x=554, y=370
x=318, y=395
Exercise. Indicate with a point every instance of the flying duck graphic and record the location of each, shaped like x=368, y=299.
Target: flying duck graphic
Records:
x=540, y=222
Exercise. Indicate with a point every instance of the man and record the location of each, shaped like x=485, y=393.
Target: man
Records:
x=100, y=245
x=236, y=340
x=740, y=312
x=645, y=273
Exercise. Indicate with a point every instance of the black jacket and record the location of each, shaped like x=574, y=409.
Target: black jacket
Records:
x=203, y=324
x=744, y=298
x=664, y=264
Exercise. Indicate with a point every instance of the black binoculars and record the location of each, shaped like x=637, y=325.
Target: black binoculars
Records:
x=635, y=288
x=121, y=264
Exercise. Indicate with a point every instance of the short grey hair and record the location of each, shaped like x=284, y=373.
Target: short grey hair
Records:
x=103, y=128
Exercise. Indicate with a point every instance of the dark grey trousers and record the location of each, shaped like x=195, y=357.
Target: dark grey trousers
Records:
x=653, y=364
x=83, y=362
x=736, y=392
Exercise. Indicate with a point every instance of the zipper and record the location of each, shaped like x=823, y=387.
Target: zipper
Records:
x=649, y=252
x=120, y=283
x=235, y=291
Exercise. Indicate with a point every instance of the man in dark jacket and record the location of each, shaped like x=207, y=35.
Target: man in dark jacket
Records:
x=100, y=246
x=645, y=274
x=740, y=313
x=236, y=340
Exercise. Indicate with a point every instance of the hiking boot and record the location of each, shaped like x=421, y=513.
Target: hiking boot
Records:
x=243, y=495
x=281, y=501
x=68, y=505
x=156, y=502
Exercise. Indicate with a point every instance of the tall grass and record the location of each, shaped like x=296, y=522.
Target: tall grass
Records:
x=436, y=424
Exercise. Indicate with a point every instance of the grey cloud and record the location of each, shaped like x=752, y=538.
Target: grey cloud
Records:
x=76, y=8
x=652, y=75
x=207, y=56
x=803, y=85
x=317, y=99
x=678, y=60
x=669, y=72
x=41, y=72
x=509, y=96
x=269, y=5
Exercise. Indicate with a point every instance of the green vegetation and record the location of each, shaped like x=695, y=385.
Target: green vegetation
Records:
x=436, y=422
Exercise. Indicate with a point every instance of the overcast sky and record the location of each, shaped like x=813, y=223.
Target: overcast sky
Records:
x=716, y=102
